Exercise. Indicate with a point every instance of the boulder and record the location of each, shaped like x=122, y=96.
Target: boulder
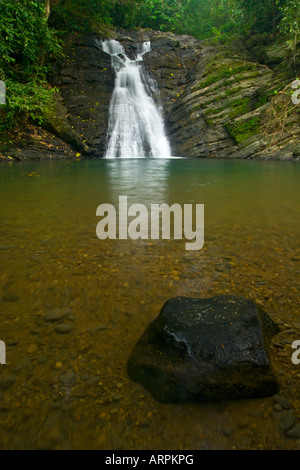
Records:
x=206, y=350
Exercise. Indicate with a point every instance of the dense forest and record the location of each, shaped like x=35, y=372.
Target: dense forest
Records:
x=32, y=34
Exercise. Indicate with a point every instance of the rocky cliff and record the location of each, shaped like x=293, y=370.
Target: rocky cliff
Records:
x=219, y=100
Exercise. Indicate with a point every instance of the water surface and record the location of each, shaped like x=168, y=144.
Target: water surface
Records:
x=70, y=390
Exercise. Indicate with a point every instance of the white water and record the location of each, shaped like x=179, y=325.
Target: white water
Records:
x=135, y=127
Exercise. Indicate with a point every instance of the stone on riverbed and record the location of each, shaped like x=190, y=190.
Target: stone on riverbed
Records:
x=206, y=349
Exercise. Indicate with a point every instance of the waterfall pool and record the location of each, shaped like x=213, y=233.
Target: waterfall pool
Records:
x=72, y=306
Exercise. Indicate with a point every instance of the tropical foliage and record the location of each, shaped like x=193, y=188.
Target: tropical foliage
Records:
x=30, y=32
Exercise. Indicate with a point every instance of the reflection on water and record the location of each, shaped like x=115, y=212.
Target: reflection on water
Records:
x=73, y=306
x=143, y=183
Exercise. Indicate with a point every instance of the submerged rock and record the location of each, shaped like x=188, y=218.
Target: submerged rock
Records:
x=206, y=349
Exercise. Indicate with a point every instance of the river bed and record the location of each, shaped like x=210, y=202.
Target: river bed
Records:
x=72, y=306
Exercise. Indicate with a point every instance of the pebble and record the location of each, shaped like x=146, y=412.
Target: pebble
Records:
x=97, y=328
x=278, y=407
x=228, y=431
x=294, y=433
x=67, y=378
x=12, y=342
x=278, y=343
x=282, y=401
x=94, y=380
x=85, y=377
x=287, y=422
x=54, y=314
x=7, y=381
x=63, y=328
x=22, y=364
x=10, y=297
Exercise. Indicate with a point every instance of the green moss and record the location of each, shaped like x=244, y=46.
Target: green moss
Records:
x=239, y=107
x=233, y=91
x=216, y=73
x=240, y=131
x=236, y=107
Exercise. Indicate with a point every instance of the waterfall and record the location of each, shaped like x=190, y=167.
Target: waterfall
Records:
x=136, y=126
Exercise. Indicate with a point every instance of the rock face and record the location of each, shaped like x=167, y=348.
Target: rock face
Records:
x=86, y=83
x=216, y=98
x=205, y=349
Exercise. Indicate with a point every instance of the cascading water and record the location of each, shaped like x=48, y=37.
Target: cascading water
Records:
x=136, y=127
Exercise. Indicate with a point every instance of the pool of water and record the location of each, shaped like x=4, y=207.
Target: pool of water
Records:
x=65, y=384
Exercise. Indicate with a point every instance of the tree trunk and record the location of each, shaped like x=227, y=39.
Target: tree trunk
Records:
x=48, y=9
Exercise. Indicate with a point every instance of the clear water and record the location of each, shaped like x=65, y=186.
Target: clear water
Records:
x=109, y=292
x=136, y=126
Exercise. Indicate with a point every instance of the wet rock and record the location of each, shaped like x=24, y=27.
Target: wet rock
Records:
x=205, y=349
x=57, y=121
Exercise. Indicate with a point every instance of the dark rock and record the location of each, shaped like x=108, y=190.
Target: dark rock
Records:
x=57, y=121
x=205, y=349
